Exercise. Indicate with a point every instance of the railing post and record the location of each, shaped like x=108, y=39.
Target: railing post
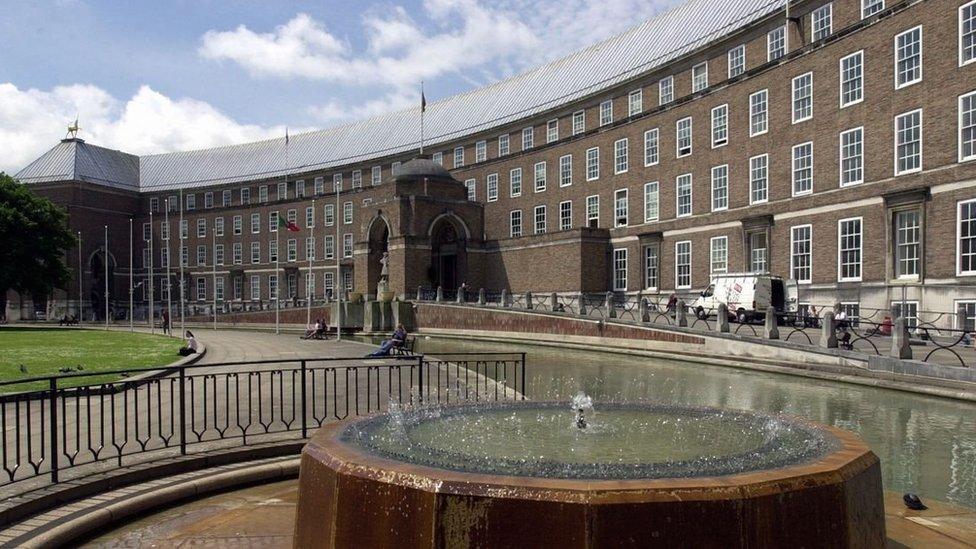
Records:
x=420, y=378
x=645, y=316
x=459, y=298
x=828, y=334
x=528, y=300
x=420, y=293
x=182, y=411
x=523, y=376
x=722, y=318
x=681, y=314
x=553, y=301
x=504, y=297
x=771, y=329
x=900, y=345
x=481, y=297
x=582, y=304
x=304, y=420
x=54, y=429
x=440, y=294
x=608, y=303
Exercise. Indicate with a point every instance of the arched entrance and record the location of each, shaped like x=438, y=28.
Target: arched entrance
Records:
x=96, y=267
x=378, y=239
x=447, y=253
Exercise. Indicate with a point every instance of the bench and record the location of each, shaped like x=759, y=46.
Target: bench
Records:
x=406, y=348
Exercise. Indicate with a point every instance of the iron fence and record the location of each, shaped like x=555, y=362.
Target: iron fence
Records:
x=85, y=428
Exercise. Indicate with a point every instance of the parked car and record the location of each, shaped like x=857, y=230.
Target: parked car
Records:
x=747, y=296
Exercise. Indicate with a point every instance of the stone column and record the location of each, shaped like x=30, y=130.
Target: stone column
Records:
x=459, y=298
x=528, y=300
x=644, y=315
x=481, y=297
x=771, y=330
x=681, y=314
x=553, y=301
x=828, y=335
x=420, y=293
x=608, y=303
x=900, y=346
x=504, y=298
x=722, y=320
x=440, y=294
x=582, y=304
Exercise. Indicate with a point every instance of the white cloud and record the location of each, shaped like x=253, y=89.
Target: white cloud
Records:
x=32, y=121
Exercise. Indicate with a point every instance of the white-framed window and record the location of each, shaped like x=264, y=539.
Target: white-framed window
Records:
x=967, y=127
x=347, y=213
x=184, y=229
x=504, y=147
x=966, y=238
x=528, y=138
x=683, y=195
x=515, y=223
x=201, y=288
x=201, y=254
x=263, y=194
x=651, y=151
x=329, y=215
x=908, y=57
x=309, y=217
x=593, y=211
x=620, y=269
x=871, y=7
x=357, y=179
x=759, y=179
x=720, y=126
x=852, y=157
x=606, y=112
x=908, y=243
x=292, y=250
x=565, y=170
x=481, y=151
x=652, y=258
x=272, y=251
x=219, y=254
x=201, y=227
x=472, y=186
x=579, y=122
x=310, y=248
x=552, y=130
x=737, y=60
x=219, y=226
x=337, y=183
x=208, y=201
x=436, y=158
x=347, y=245
x=803, y=97
x=720, y=187
x=621, y=156
x=699, y=77
x=273, y=222
x=255, y=287
x=758, y=113
x=801, y=255
x=776, y=43
x=458, y=157
x=191, y=201
x=849, y=241
x=245, y=196
x=225, y=196
x=539, y=171
x=652, y=201
x=852, y=79
x=540, y=219
x=310, y=285
x=967, y=33
x=683, y=137
x=375, y=178
x=665, y=90
x=491, y=184
x=821, y=22
x=515, y=182
x=164, y=230
x=621, y=208
x=282, y=192
x=635, y=102
x=682, y=264
x=593, y=164
x=256, y=252
x=757, y=250
x=566, y=215
x=802, y=168
x=154, y=204
x=238, y=224
x=328, y=251
x=908, y=142
x=319, y=184
x=719, y=254
x=968, y=308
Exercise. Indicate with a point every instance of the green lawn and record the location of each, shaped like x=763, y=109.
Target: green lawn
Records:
x=44, y=351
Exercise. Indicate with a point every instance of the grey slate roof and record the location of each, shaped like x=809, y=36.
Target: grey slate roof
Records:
x=73, y=159
x=640, y=49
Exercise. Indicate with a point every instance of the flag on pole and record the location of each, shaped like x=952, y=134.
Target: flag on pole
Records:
x=423, y=99
x=290, y=226
x=286, y=136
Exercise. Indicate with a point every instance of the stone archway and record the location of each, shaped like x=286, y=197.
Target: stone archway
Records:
x=378, y=240
x=448, y=252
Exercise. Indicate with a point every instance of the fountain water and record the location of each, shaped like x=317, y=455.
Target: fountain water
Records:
x=549, y=474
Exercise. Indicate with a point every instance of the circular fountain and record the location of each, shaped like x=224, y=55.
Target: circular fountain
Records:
x=570, y=475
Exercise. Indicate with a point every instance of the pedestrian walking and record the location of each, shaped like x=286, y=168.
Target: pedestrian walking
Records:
x=166, y=329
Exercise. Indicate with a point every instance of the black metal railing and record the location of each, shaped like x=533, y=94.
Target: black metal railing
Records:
x=86, y=428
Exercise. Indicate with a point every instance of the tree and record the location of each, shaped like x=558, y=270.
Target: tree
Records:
x=34, y=236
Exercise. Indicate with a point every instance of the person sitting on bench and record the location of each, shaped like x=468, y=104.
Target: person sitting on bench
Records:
x=396, y=340
x=313, y=330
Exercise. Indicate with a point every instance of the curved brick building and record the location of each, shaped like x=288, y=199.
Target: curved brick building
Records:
x=832, y=142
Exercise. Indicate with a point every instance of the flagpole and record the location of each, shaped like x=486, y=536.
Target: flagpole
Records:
x=277, y=288
x=338, y=276
x=81, y=303
x=214, y=236
x=309, y=288
x=130, y=277
x=106, y=277
x=169, y=260
x=423, y=108
x=182, y=300
x=152, y=283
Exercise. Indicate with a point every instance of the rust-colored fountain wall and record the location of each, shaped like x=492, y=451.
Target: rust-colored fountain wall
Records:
x=351, y=499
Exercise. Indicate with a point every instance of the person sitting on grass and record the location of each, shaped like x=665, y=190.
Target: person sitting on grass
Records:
x=396, y=340
x=191, y=345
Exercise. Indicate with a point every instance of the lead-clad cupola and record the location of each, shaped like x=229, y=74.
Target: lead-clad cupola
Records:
x=420, y=168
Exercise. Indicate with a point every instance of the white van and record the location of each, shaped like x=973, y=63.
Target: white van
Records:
x=747, y=295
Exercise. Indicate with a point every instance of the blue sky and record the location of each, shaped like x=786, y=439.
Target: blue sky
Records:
x=159, y=76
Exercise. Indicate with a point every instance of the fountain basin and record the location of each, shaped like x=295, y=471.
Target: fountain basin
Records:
x=519, y=474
